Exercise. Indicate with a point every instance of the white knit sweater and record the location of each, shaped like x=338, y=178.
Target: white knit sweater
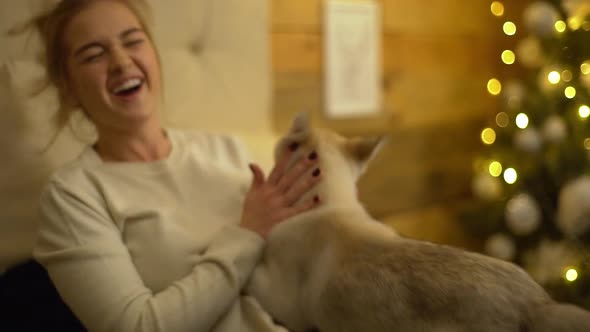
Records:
x=154, y=246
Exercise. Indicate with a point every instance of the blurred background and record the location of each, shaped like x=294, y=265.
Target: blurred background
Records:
x=486, y=103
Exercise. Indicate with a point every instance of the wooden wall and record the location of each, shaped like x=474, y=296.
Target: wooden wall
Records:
x=437, y=58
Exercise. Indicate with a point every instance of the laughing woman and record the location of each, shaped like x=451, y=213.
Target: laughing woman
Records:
x=150, y=228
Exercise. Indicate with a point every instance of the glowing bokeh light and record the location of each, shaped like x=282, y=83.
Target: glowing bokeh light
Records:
x=494, y=86
x=502, y=119
x=522, y=121
x=495, y=169
x=509, y=28
x=570, y=92
x=560, y=26
x=508, y=57
x=497, y=8
x=571, y=275
x=554, y=77
x=510, y=176
x=488, y=136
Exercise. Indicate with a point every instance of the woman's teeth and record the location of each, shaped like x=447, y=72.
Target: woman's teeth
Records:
x=127, y=85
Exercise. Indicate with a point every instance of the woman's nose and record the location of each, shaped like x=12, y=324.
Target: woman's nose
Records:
x=119, y=60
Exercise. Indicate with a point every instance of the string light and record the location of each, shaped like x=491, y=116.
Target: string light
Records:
x=587, y=143
x=566, y=75
x=494, y=86
x=574, y=23
x=497, y=8
x=571, y=275
x=509, y=28
x=508, y=57
x=560, y=26
x=570, y=92
x=488, y=136
x=510, y=176
x=495, y=169
x=502, y=119
x=522, y=121
x=585, y=67
x=554, y=77
x=584, y=111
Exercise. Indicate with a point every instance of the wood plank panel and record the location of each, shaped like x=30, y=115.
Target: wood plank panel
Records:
x=437, y=57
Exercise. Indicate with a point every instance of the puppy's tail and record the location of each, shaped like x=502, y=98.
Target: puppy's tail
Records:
x=558, y=317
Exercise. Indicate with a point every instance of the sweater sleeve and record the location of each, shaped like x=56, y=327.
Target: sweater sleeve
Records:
x=83, y=252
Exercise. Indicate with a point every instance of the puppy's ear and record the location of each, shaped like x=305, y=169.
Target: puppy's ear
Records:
x=301, y=124
x=364, y=149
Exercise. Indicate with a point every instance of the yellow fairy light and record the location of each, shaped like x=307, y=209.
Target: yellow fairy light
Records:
x=554, y=77
x=502, y=119
x=495, y=169
x=488, y=136
x=566, y=75
x=497, y=8
x=574, y=23
x=571, y=275
x=510, y=176
x=587, y=143
x=560, y=26
x=522, y=121
x=509, y=28
x=494, y=86
x=584, y=111
x=586, y=26
x=570, y=92
x=585, y=67
x=508, y=57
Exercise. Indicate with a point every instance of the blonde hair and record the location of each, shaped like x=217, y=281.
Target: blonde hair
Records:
x=51, y=26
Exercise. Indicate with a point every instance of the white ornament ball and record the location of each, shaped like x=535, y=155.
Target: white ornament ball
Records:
x=555, y=129
x=550, y=259
x=528, y=140
x=540, y=18
x=500, y=246
x=486, y=187
x=514, y=93
x=573, y=210
x=523, y=214
x=530, y=53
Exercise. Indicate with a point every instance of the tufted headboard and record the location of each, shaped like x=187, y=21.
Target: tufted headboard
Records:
x=216, y=72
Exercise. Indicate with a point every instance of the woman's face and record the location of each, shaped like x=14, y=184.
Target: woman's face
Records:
x=112, y=66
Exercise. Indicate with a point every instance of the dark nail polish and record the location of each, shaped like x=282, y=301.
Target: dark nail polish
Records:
x=293, y=146
x=317, y=172
x=313, y=156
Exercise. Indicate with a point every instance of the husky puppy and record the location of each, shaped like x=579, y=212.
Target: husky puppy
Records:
x=335, y=269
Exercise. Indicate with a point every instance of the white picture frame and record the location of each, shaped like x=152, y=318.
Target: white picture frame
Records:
x=352, y=64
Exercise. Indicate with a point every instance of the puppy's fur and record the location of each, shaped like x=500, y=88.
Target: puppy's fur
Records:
x=338, y=270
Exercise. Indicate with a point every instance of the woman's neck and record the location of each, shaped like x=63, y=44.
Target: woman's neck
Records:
x=143, y=144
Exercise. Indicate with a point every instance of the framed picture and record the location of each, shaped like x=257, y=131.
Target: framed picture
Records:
x=352, y=64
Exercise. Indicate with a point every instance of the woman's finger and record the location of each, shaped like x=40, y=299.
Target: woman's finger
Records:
x=303, y=186
x=294, y=174
x=277, y=172
x=304, y=206
x=257, y=175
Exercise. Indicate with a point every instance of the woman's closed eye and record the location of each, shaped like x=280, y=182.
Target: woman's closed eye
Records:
x=92, y=57
x=133, y=43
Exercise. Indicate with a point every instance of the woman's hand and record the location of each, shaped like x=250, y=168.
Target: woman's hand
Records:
x=270, y=201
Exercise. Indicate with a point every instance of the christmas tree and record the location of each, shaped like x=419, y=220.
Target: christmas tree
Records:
x=531, y=182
